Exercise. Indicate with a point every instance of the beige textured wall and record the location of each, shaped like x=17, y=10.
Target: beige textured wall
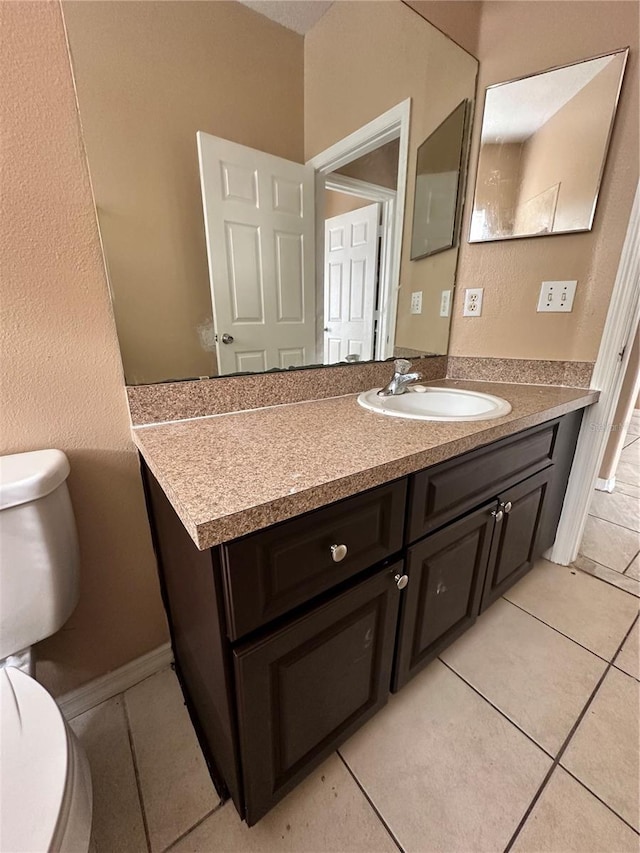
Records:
x=567, y=150
x=149, y=75
x=61, y=379
x=519, y=38
x=336, y=204
x=387, y=53
x=459, y=19
x=378, y=167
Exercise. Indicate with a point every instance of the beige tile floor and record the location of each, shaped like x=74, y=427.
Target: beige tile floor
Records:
x=610, y=547
x=524, y=735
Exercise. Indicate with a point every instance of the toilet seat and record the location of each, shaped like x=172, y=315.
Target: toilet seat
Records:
x=45, y=786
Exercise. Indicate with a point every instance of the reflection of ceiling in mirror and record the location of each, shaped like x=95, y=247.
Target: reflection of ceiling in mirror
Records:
x=296, y=15
x=544, y=94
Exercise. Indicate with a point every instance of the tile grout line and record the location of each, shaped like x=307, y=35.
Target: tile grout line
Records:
x=600, y=800
x=604, y=580
x=557, y=630
x=496, y=708
x=630, y=561
x=132, y=749
x=615, y=523
x=377, y=812
x=563, y=748
x=184, y=834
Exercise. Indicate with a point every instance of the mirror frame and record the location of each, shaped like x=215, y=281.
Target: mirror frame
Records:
x=605, y=156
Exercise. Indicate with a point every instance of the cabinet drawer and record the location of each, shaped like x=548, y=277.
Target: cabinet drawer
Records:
x=446, y=577
x=448, y=490
x=270, y=572
x=305, y=688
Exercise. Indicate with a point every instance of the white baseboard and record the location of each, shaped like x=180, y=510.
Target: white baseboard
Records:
x=606, y=485
x=106, y=686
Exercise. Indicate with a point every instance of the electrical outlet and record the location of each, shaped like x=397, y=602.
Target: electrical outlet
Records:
x=557, y=296
x=416, y=302
x=473, y=302
x=445, y=303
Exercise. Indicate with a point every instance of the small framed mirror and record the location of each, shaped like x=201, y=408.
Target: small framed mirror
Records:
x=437, y=190
x=543, y=147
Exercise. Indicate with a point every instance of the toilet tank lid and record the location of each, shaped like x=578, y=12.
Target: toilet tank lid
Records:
x=26, y=477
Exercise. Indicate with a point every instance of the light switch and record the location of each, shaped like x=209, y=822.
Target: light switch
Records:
x=416, y=302
x=557, y=296
x=445, y=303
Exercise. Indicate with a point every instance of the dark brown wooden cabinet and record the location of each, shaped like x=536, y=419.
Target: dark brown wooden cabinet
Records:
x=515, y=543
x=303, y=689
x=284, y=647
x=446, y=576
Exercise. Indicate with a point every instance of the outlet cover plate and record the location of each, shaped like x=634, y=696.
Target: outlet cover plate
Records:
x=416, y=302
x=473, y=302
x=557, y=296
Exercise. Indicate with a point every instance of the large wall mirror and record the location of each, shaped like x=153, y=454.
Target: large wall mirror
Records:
x=543, y=148
x=253, y=165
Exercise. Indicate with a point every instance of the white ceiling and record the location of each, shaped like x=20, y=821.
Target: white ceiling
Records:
x=513, y=111
x=297, y=15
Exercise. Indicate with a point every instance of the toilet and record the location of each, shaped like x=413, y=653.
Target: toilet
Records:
x=45, y=784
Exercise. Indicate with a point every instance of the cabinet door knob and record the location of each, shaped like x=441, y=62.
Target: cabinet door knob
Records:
x=497, y=514
x=507, y=506
x=338, y=553
x=401, y=580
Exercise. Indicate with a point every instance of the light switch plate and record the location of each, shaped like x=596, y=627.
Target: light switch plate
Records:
x=473, y=302
x=416, y=302
x=557, y=296
x=445, y=303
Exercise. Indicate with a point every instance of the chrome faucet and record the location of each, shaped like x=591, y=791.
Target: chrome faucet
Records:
x=400, y=380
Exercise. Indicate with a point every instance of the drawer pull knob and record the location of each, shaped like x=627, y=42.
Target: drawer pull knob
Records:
x=497, y=514
x=401, y=580
x=507, y=507
x=338, y=553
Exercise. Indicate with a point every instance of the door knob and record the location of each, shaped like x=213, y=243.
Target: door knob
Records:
x=227, y=339
x=507, y=507
x=401, y=580
x=497, y=514
x=338, y=553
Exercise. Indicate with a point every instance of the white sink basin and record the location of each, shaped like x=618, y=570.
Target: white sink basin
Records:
x=422, y=403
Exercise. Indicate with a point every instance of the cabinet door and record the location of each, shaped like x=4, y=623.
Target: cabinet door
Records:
x=446, y=575
x=307, y=687
x=515, y=542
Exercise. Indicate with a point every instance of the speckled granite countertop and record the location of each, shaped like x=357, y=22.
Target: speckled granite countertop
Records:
x=229, y=475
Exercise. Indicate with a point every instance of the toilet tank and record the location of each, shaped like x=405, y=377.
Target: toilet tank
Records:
x=39, y=561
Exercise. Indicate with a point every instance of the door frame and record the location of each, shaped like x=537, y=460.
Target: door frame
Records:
x=393, y=124
x=608, y=375
x=387, y=200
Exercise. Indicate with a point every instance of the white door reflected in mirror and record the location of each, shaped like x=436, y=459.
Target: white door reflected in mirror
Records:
x=350, y=275
x=259, y=222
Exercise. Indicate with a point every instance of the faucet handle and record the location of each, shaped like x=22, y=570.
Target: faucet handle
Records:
x=402, y=366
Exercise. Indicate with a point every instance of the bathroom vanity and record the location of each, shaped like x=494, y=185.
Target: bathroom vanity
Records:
x=291, y=634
